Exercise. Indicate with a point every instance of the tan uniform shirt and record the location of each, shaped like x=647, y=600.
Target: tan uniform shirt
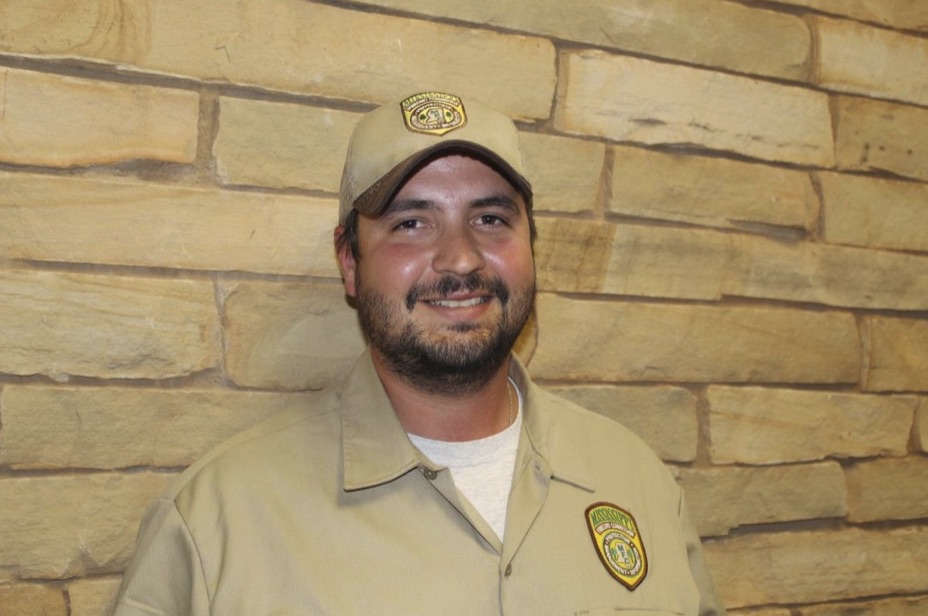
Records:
x=331, y=510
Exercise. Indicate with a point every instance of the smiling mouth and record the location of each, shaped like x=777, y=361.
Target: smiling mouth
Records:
x=451, y=303
x=457, y=292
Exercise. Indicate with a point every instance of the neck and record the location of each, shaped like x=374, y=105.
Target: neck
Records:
x=460, y=416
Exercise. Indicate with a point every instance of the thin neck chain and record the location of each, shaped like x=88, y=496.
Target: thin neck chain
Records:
x=509, y=393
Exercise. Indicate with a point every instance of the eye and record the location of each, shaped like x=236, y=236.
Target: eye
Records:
x=490, y=220
x=408, y=224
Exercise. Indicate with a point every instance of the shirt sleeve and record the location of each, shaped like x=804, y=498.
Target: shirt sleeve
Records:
x=165, y=575
x=709, y=602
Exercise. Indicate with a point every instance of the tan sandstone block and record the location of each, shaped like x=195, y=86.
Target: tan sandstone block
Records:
x=58, y=121
x=879, y=136
x=572, y=255
x=898, y=354
x=884, y=607
x=93, y=597
x=772, y=611
x=664, y=417
x=818, y=566
x=617, y=341
x=654, y=261
x=668, y=262
x=98, y=29
x=903, y=14
x=710, y=192
x=721, y=499
x=67, y=526
x=819, y=273
x=60, y=324
x=750, y=425
x=678, y=105
x=89, y=427
x=874, y=212
x=63, y=219
x=297, y=46
x=32, y=600
x=565, y=173
x=289, y=336
x=853, y=57
x=755, y=41
x=281, y=145
x=921, y=426
x=888, y=490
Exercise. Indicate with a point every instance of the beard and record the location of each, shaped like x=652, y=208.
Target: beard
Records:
x=453, y=359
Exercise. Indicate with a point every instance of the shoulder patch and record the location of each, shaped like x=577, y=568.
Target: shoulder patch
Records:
x=433, y=113
x=618, y=543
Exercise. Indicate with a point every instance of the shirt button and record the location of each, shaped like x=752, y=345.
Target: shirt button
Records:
x=429, y=474
x=508, y=570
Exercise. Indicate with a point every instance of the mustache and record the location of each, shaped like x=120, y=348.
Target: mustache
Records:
x=446, y=285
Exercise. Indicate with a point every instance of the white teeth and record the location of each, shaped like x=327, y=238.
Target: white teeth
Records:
x=449, y=303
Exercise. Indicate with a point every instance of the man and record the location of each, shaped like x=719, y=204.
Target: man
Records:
x=438, y=479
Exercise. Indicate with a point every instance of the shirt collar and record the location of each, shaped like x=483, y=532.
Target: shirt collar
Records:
x=554, y=444
x=376, y=449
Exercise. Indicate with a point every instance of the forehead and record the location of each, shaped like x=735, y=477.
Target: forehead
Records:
x=457, y=177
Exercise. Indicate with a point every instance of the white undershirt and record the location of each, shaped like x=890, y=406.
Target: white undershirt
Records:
x=481, y=469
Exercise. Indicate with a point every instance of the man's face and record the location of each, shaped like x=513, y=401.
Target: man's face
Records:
x=446, y=277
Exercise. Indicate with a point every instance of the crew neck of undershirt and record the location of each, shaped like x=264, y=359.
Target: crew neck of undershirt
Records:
x=473, y=452
x=482, y=469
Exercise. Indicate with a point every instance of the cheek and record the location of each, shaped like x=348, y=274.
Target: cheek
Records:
x=514, y=264
x=396, y=266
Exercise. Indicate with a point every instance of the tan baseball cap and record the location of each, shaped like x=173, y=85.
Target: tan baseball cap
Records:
x=389, y=143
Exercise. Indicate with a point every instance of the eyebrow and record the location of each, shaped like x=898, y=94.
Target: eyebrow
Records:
x=408, y=205
x=503, y=201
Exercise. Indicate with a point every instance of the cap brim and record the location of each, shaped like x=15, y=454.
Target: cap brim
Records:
x=375, y=199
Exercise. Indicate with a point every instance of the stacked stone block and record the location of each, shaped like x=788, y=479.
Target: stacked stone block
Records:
x=732, y=205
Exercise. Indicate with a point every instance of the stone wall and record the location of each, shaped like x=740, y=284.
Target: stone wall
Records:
x=732, y=202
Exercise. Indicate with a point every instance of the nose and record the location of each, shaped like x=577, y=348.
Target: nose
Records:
x=458, y=253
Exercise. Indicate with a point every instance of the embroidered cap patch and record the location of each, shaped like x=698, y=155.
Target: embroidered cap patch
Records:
x=433, y=113
x=618, y=543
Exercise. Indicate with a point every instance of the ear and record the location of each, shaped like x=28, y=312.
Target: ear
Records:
x=347, y=264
